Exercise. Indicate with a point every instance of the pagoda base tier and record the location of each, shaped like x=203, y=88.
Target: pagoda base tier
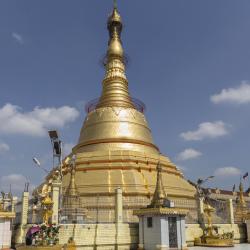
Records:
x=99, y=173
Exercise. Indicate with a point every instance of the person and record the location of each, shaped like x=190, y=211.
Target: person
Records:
x=28, y=240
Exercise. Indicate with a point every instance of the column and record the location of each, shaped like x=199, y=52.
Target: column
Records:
x=183, y=232
x=248, y=229
x=201, y=211
x=13, y=204
x=141, y=233
x=164, y=233
x=118, y=214
x=24, y=218
x=56, y=202
x=118, y=206
x=5, y=203
x=25, y=208
x=230, y=211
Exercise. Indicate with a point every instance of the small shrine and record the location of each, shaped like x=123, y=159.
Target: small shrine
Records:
x=6, y=217
x=161, y=225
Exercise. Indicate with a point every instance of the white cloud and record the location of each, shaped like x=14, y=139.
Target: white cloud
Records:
x=36, y=122
x=67, y=148
x=237, y=95
x=18, y=37
x=4, y=147
x=17, y=182
x=227, y=171
x=206, y=130
x=188, y=154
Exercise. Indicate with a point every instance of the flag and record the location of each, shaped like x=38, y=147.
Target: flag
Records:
x=234, y=188
x=245, y=175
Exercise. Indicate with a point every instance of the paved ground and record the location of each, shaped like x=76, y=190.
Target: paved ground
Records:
x=236, y=247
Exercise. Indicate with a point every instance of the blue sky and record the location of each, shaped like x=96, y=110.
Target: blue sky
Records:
x=189, y=63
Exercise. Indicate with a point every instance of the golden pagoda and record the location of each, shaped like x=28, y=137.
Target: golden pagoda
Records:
x=116, y=148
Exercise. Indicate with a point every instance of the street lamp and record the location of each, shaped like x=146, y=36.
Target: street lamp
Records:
x=57, y=148
x=57, y=153
x=38, y=164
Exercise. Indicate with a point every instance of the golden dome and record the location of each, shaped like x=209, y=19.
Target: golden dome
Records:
x=115, y=128
x=115, y=123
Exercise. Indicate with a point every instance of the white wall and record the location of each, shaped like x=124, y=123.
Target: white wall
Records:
x=248, y=230
x=5, y=233
x=152, y=235
x=102, y=235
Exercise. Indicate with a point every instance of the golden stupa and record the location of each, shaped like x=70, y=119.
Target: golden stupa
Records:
x=116, y=148
x=241, y=208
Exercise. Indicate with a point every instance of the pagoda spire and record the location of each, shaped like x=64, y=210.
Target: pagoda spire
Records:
x=160, y=195
x=115, y=84
x=72, y=189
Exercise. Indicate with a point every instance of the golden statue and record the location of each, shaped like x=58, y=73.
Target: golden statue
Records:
x=208, y=210
x=47, y=205
x=210, y=237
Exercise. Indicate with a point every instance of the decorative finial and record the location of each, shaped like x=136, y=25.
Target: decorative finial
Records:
x=115, y=84
x=159, y=195
x=72, y=188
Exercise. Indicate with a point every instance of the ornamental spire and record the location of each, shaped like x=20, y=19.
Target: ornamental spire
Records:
x=115, y=84
x=72, y=189
x=159, y=195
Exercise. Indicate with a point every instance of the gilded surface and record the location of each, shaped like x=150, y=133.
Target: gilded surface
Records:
x=47, y=206
x=248, y=216
x=160, y=195
x=115, y=86
x=161, y=211
x=241, y=208
x=116, y=148
x=7, y=214
x=99, y=173
x=114, y=124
